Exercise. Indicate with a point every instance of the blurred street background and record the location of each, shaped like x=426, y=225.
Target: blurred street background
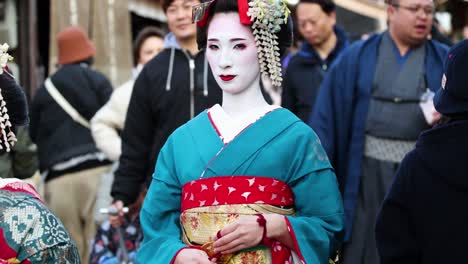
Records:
x=30, y=27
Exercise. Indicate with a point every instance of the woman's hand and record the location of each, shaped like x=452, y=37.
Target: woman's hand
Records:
x=192, y=256
x=246, y=233
x=241, y=234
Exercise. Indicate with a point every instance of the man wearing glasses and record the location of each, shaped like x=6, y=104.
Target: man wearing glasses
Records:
x=371, y=107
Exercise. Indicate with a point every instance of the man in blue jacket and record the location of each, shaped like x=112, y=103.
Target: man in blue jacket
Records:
x=323, y=42
x=368, y=114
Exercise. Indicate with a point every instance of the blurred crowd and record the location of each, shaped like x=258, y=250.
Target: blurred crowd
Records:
x=91, y=146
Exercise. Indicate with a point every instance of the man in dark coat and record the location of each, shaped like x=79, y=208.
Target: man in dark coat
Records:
x=323, y=42
x=423, y=217
x=368, y=115
x=171, y=89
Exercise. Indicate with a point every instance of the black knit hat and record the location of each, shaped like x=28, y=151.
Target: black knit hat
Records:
x=452, y=97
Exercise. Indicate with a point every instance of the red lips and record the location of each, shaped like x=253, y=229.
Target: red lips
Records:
x=227, y=78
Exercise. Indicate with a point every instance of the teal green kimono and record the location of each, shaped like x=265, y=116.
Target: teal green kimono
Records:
x=279, y=146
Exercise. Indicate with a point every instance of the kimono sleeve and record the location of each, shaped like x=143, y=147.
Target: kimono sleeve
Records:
x=317, y=227
x=44, y=239
x=395, y=237
x=60, y=253
x=160, y=213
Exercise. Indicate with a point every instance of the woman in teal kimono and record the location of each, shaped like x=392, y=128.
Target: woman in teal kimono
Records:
x=243, y=182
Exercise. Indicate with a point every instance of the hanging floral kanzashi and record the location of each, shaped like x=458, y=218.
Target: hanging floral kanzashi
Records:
x=7, y=136
x=267, y=16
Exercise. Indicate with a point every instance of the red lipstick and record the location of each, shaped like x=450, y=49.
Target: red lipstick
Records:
x=227, y=78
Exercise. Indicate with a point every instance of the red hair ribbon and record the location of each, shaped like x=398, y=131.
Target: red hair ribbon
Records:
x=243, y=8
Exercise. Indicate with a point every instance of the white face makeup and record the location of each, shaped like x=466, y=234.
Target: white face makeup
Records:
x=232, y=54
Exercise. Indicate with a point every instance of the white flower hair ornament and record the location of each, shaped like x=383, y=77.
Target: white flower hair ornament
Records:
x=266, y=18
x=7, y=136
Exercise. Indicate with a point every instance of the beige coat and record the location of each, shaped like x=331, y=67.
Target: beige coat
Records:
x=110, y=119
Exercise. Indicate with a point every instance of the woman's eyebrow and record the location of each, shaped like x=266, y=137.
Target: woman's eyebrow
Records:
x=237, y=39
x=232, y=40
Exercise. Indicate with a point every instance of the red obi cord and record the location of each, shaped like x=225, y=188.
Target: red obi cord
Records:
x=243, y=7
x=223, y=190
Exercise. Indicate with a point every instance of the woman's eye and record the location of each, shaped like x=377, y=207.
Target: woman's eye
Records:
x=240, y=46
x=212, y=47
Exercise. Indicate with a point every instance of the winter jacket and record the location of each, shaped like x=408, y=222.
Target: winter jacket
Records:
x=304, y=73
x=171, y=89
x=108, y=122
x=58, y=137
x=423, y=218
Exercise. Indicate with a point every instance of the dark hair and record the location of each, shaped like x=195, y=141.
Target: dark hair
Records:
x=454, y=117
x=397, y=2
x=328, y=6
x=392, y=2
x=166, y=4
x=143, y=35
x=15, y=100
x=285, y=36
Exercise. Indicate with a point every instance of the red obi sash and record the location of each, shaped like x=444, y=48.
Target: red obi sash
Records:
x=229, y=190
x=236, y=190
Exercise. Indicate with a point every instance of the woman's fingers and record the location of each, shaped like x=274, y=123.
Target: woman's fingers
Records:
x=228, y=242
x=226, y=231
x=192, y=256
x=234, y=249
x=243, y=233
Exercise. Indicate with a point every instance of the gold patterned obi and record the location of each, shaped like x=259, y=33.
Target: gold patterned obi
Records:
x=210, y=204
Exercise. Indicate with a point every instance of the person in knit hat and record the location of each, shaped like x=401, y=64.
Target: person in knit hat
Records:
x=68, y=157
x=422, y=219
x=74, y=46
